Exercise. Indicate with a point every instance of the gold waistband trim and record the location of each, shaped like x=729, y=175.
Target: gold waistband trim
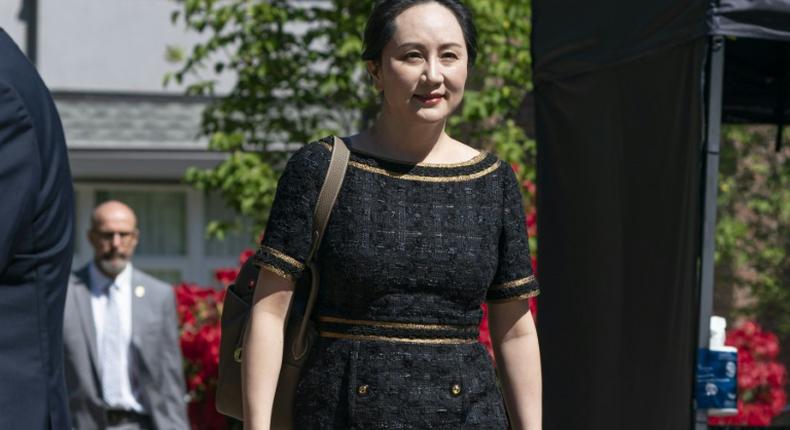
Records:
x=383, y=324
x=437, y=341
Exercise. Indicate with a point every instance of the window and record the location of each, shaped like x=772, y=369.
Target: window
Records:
x=234, y=241
x=172, y=220
x=161, y=219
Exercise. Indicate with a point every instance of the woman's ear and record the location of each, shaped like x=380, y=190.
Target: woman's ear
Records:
x=374, y=70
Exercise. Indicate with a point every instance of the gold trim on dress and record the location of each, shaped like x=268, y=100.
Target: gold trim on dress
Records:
x=284, y=257
x=276, y=271
x=413, y=326
x=527, y=295
x=474, y=160
x=513, y=284
x=437, y=341
x=411, y=177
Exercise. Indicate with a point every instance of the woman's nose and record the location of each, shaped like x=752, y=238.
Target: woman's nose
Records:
x=432, y=73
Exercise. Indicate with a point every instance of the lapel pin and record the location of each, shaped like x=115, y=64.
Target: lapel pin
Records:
x=139, y=291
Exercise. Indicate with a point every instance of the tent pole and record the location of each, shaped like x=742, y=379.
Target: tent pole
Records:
x=710, y=194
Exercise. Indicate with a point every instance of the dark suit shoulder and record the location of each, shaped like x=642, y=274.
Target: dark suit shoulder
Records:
x=13, y=109
x=15, y=69
x=18, y=77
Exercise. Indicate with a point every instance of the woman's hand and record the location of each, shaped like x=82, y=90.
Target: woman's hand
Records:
x=263, y=348
x=515, y=342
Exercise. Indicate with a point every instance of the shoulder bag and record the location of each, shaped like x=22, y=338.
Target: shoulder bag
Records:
x=300, y=333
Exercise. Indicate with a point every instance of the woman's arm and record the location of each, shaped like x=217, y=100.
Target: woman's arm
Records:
x=515, y=342
x=263, y=348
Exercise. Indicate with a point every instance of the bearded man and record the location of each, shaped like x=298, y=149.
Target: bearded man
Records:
x=122, y=355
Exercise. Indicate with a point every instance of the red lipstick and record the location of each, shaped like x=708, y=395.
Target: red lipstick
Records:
x=431, y=99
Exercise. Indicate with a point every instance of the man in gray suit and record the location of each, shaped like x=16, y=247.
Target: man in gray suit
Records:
x=122, y=355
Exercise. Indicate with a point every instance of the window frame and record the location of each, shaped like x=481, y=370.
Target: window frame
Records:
x=196, y=266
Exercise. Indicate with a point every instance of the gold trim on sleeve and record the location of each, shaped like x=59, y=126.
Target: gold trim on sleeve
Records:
x=279, y=272
x=527, y=295
x=513, y=284
x=438, y=341
x=413, y=326
x=284, y=257
x=422, y=178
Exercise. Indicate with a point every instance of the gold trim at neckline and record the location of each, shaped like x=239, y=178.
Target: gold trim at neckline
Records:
x=284, y=257
x=474, y=160
x=382, y=324
x=423, y=178
x=437, y=341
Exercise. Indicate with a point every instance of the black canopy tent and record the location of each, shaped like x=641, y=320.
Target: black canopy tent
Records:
x=628, y=101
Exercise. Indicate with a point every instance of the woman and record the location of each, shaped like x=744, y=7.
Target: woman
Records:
x=424, y=230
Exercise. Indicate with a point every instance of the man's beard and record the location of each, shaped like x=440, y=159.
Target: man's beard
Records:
x=112, y=265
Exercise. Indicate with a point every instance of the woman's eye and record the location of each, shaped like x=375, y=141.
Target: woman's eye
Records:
x=413, y=55
x=451, y=55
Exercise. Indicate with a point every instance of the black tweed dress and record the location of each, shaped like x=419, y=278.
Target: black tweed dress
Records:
x=409, y=255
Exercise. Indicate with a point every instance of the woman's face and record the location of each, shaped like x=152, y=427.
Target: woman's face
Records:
x=423, y=67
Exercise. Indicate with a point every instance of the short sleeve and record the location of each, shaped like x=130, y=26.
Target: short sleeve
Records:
x=287, y=238
x=514, y=278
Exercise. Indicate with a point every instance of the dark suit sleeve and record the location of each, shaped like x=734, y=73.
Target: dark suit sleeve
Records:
x=19, y=171
x=174, y=387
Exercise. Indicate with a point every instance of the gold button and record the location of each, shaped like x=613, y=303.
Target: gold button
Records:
x=456, y=390
x=362, y=390
x=237, y=355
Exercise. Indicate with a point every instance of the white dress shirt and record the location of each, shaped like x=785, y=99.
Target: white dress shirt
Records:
x=99, y=286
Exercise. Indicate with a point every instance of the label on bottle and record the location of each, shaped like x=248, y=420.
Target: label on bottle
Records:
x=716, y=380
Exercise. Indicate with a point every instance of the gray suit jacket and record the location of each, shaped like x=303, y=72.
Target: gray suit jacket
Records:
x=155, y=349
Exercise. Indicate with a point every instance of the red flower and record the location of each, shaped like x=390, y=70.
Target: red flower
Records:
x=199, y=311
x=485, y=334
x=530, y=186
x=246, y=254
x=226, y=275
x=533, y=307
x=761, y=380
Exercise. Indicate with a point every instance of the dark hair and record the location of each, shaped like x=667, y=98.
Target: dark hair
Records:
x=381, y=25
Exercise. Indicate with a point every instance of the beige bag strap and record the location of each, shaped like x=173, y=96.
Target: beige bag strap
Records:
x=329, y=191
x=323, y=208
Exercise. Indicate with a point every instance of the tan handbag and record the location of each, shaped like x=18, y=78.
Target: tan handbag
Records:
x=300, y=333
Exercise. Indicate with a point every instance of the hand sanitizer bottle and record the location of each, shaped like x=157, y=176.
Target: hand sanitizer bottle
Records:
x=723, y=387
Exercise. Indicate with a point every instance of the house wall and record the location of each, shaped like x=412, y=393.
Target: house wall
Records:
x=128, y=136
x=103, y=45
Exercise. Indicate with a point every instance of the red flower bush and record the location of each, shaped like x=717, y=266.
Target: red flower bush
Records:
x=199, y=310
x=761, y=379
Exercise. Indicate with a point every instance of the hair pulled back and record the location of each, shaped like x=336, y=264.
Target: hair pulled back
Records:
x=381, y=25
